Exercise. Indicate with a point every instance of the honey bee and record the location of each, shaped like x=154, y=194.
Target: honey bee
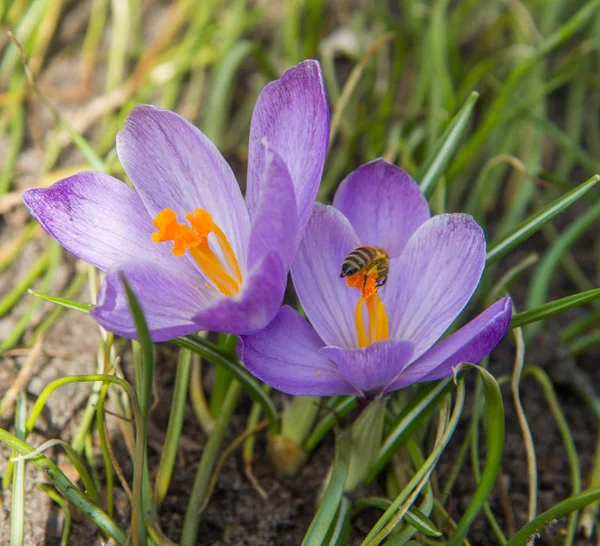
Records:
x=373, y=260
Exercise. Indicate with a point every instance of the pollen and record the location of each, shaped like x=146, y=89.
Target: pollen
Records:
x=193, y=238
x=365, y=281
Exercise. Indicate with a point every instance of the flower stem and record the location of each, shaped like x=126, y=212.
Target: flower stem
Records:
x=207, y=464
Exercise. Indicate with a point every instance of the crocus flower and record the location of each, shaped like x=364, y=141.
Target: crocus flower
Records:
x=367, y=339
x=195, y=254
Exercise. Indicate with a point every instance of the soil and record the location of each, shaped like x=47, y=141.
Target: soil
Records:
x=237, y=515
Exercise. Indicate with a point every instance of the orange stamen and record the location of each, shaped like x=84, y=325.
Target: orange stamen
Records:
x=377, y=328
x=195, y=240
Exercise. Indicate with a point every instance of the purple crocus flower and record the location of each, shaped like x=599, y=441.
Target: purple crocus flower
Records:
x=367, y=339
x=224, y=269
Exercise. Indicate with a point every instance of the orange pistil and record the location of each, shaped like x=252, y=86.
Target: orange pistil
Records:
x=195, y=240
x=377, y=328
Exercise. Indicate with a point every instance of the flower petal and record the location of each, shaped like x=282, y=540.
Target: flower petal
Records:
x=275, y=218
x=433, y=279
x=256, y=305
x=384, y=205
x=471, y=344
x=168, y=301
x=374, y=366
x=292, y=116
x=99, y=219
x=173, y=165
x=286, y=356
x=329, y=304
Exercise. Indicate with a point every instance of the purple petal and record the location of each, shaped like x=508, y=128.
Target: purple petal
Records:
x=173, y=165
x=292, y=116
x=275, y=218
x=169, y=302
x=433, y=279
x=256, y=305
x=374, y=366
x=471, y=344
x=384, y=205
x=99, y=219
x=286, y=356
x=329, y=304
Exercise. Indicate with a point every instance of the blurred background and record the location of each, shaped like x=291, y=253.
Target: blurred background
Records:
x=396, y=72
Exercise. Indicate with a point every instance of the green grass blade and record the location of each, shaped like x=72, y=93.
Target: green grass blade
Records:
x=432, y=170
x=325, y=516
x=494, y=409
x=565, y=432
x=144, y=384
x=554, y=308
x=17, y=509
x=69, y=304
x=176, y=415
x=540, y=283
x=397, y=510
x=408, y=422
x=563, y=508
x=66, y=487
x=414, y=516
x=14, y=294
x=26, y=318
x=64, y=506
x=16, y=141
x=208, y=351
x=421, y=522
x=219, y=100
x=40, y=403
x=579, y=326
x=198, y=497
x=343, y=407
x=76, y=461
x=535, y=222
x=584, y=343
x=145, y=340
x=340, y=529
x=495, y=113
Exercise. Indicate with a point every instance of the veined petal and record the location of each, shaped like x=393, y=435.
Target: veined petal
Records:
x=374, y=366
x=173, y=165
x=255, y=306
x=384, y=205
x=275, y=219
x=292, y=116
x=433, y=279
x=169, y=302
x=99, y=219
x=286, y=356
x=329, y=304
x=471, y=344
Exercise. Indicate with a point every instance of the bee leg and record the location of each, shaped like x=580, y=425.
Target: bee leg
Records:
x=364, y=284
x=381, y=282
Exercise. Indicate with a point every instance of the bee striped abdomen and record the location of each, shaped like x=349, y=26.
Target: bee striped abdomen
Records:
x=359, y=259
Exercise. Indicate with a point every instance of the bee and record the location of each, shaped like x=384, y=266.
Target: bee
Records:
x=370, y=259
